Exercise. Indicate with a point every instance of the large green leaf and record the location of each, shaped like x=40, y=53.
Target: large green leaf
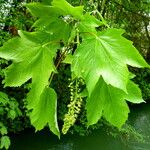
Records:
x=106, y=54
x=95, y=104
x=89, y=23
x=68, y=9
x=134, y=93
x=115, y=109
x=60, y=29
x=43, y=11
x=45, y=111
x=50, y=21
x=107, y=101
x=32, y=55
x=58, y=8
x=113, y=39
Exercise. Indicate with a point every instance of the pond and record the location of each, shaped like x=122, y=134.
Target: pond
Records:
x=98, y=140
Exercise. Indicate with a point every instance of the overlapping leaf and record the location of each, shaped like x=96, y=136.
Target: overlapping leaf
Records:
x=88, y=23
x=106, y=54
x=109, y=102
x=134, y=93
x=50, y=21
x=33, y=51
x=45, y=111
x=68, y=9
x=32, y=55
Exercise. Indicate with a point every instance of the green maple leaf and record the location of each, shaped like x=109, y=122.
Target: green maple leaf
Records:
x=50, y=21
x=106, y=54
x=89, y=23
x=68, y=9
x=45, y=111
x=34, y=52
x=109, y=102
x=60, y=29
x=95, y=104
x=38, y=10
x=134, y=93
x=56, y=9
x=32, y=55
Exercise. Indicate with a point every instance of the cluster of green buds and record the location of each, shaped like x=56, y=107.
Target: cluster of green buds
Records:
x=74, y=107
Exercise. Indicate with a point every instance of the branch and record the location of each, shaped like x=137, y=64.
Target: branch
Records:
x=57, y=64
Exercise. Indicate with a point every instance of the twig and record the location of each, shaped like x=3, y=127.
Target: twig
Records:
x=57, y=65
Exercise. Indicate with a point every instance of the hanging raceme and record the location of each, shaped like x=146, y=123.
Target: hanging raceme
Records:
x=100, y=59
x=75, y=104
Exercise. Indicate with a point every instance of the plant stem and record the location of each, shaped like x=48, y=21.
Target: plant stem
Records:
x=101, y=17
x=57, y=65
x=103, y=6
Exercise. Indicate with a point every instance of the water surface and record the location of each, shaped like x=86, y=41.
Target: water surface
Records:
x=98, y=140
